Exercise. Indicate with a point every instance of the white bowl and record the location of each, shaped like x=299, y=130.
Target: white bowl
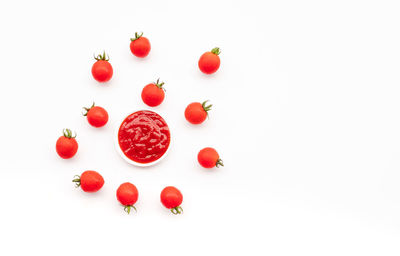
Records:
x=121, y=153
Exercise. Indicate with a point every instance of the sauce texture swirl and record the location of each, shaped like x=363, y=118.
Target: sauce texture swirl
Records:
x=144, y=136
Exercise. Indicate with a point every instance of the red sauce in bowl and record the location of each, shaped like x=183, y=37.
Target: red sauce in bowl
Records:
x=144, y=136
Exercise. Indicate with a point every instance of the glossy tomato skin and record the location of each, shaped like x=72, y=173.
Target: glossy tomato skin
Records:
x=208, y=157
x=209, y=63
x=195, y=113
x=102, y=71
x=91, y=181
x=66, y=147
x=97, y=116
x=127, y=194
x=140, y=47
x=152, y=95
x=171, y=197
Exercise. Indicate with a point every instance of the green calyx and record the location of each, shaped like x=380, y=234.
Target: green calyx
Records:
x=102, y=57
x=77, y=180
x=219, y=163
x=206, y=107
x=177, y=210
x=127, y=208
x=159, y=84
x=87, y=110
x=68, y=134
x=137, y=36
x=216, y=50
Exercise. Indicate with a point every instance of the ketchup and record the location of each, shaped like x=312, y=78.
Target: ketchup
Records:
x=144, y=136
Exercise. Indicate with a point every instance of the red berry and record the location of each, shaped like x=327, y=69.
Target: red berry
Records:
x=209, y=158
x=172, y=198
x=197, y=112
x=209, y=62
x=102, y=70
x=153, y=94
x=66, y=145
x=127, y=195
x=96, y=116
x=89, y=181
x=140, y=45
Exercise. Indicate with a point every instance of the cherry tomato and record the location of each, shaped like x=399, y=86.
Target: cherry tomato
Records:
x=153, y=94
x=140, y=45
x=209, y=158
x=197, y=112
x=102, y=70
x=209, y=62
x=96, y=116
x=89, y=181
x=66, y=145
x=127, y=195
x=172, y=198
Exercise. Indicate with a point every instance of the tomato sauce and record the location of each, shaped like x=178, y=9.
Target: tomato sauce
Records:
x=144, y=136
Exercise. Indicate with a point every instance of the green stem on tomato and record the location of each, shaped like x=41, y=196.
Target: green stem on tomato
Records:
x=206, y=107
x=127, y=208
x=68, y=134
x=87, y=109
x=137, y=36
x=159, y=85
x=216, y=50
x=219, y=163
x=77, y=180
x=102, y=57
x=177, y=210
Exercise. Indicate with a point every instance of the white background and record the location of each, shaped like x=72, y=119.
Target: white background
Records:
x=305, y=117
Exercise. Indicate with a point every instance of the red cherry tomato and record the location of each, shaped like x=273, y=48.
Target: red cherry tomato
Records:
x=153, y=94
x=96, y=116
x=102, y=70
x=140, y=45
x=209, y=62
x=209, y=158
x=127, y=195
x=197, y=112
x=89, y=181
x=172, y=199
x=66, y=145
